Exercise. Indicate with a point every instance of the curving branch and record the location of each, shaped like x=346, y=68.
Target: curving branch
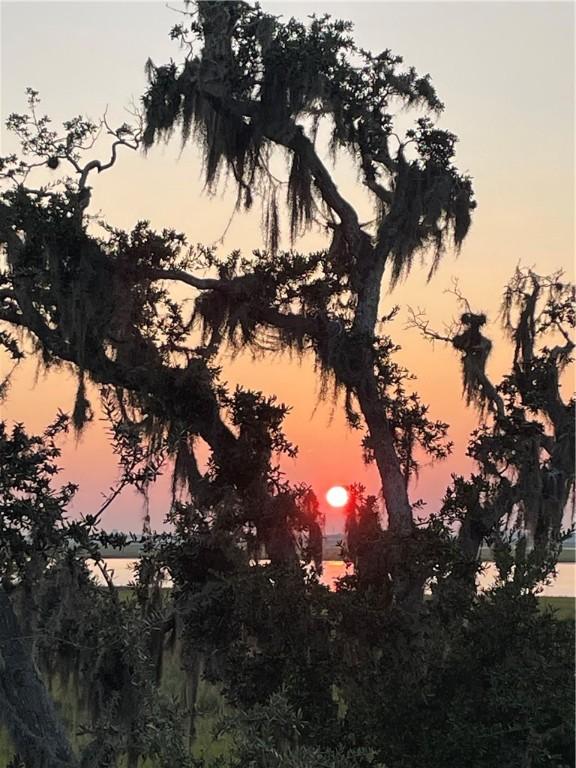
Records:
x=121, y=141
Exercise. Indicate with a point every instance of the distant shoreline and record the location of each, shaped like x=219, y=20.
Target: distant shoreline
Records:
x=331, y=552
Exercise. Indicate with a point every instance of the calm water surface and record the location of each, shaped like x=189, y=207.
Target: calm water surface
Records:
x=564, y=585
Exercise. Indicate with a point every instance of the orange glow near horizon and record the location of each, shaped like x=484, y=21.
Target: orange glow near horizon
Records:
x=337, y=496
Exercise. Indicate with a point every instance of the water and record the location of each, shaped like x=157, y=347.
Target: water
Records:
x=564, y=585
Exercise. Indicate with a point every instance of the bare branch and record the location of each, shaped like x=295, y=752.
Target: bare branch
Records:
x=455, y=291
x=417, y=319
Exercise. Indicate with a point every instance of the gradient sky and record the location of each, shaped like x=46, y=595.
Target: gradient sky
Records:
x=506, y=74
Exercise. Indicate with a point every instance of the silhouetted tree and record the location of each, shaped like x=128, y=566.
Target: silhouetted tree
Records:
x=525, y=452
x=251, y=83
x=99, y=304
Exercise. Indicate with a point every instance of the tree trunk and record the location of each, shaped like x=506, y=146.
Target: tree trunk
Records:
x=393, y=482
x=26, y=709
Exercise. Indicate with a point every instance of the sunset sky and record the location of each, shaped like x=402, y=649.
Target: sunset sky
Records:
x=505, y=72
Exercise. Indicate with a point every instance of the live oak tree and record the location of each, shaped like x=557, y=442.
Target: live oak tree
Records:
x=250, y=84
x=525, y=447
x=99, y=304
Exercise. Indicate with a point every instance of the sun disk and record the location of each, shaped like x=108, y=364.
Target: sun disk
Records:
x=337, y=496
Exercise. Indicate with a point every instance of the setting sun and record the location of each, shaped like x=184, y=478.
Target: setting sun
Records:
x=337, y=496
